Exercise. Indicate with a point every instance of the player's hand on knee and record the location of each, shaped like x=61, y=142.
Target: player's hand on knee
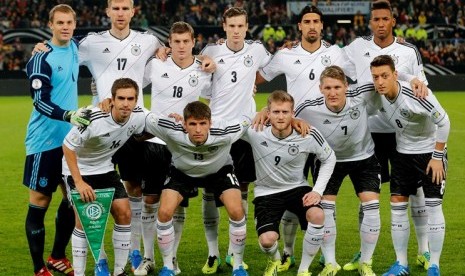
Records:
x=85, y=191
x=80, y=117
x=40, y=47
x=105, y=105
x=311, y=198
x=437, y=171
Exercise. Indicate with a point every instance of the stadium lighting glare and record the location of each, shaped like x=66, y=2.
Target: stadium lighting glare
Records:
x=344, y=21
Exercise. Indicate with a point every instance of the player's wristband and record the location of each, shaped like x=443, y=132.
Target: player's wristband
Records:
x=437, y=154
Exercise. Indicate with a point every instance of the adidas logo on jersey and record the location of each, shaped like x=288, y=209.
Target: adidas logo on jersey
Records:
x=60, y=68
x=326, y=122
x=297, y=62
x=264, y=144
x=221, y=61
x=106, y=51
x=367, y=54
x=165, y=75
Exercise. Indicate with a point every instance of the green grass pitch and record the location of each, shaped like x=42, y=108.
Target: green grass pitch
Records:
x=14, y=252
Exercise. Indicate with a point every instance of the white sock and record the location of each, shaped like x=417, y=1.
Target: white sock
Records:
x=369, y=229
x=245, y=206
x=272, y=252
x=121, y=245
x=136, y=223
x=237, y=234
x=312, y=241
x=400, y=230
x=420, y=219
x=79, y=249
x=436, y=228
x=165, y=234
x=178, y=224
x=211, y=220
x=328, y=247
x=149, y=228
x=289, y=223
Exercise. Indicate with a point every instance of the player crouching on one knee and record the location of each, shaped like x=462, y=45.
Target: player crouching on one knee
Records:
x=280, y=154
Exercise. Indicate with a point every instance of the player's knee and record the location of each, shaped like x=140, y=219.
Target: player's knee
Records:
x=164, y=214
x=236, y=214
x=151, y=199
x=315, y=215
x=133, y=188
x=268, y=239
x=122, y=216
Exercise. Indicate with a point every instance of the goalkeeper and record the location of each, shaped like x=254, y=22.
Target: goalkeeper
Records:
x=53, y=86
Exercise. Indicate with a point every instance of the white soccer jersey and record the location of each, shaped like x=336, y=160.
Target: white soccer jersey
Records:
x=109, y=58
x=361, y=52
x=415, y=120
x=96, y=144
x=174, y=87
x=347, y=130
x=193, y=160
x=279, y=163
x=231, y=94
x=303, y=69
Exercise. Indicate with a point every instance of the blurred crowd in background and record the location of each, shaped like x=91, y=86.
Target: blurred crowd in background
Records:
x=420, y=22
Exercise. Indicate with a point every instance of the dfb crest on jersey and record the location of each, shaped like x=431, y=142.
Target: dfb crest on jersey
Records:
x=326, y=61
x=135, y=49
x=395, y=59
x=354, y=114
x=248, y=61
x=131, y=130
x=193, y=80
x=293, y=149
x=43, y=182
x=405, y=113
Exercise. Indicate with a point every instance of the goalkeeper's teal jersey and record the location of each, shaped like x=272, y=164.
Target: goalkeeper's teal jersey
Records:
x=53, y=86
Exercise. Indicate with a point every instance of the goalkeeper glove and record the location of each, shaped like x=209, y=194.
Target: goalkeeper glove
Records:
x=79, y=118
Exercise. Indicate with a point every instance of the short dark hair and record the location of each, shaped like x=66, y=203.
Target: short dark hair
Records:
x=181, y=27
x=383, y=60
x=310, y=9
x=197, y=110
x=381, y=5
x=231, y=12
x=280, y=96
x=334, y=72
x=124, y=83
